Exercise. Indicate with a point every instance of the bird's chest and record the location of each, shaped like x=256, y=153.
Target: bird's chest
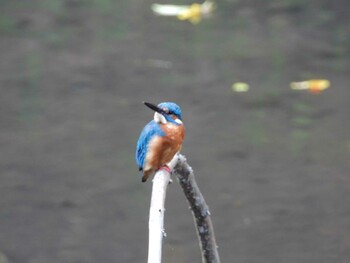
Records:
x=173, y=133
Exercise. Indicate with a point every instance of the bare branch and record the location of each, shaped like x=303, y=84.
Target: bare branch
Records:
x=200, y=211
x=156, y=213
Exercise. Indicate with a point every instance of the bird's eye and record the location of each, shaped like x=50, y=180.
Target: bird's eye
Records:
x=166, y=110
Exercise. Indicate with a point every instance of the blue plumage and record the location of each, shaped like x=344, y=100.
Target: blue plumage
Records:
x=149, y=131
x=173, y=109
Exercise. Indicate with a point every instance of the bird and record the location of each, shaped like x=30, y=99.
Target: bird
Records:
x=194, y=13
x=160, y=139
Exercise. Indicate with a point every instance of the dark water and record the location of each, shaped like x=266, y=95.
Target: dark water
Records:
x=272, y=163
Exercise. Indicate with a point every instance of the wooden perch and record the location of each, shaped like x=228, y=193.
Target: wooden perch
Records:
x=198, y=206
x=200, y=211
x=156, y=213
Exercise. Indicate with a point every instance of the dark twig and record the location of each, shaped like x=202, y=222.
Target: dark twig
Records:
x=200, y=211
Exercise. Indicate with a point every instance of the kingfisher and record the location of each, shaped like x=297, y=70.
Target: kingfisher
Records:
x=160, y=139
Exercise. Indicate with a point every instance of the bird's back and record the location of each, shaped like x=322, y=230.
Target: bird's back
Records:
x=151, y=130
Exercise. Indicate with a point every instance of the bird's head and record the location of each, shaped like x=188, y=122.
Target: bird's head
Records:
x=166, y=112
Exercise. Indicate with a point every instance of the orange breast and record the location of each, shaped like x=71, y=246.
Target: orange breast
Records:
x=163, y=149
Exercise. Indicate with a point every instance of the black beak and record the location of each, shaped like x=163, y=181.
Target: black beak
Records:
x=155, y=108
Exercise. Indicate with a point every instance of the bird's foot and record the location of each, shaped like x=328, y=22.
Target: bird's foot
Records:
x=165, y=168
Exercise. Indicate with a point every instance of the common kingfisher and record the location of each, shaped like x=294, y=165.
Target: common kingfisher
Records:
x=160, y=139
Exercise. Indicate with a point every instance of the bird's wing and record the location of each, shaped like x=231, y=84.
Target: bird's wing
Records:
x=168, y=10
x=149, y=131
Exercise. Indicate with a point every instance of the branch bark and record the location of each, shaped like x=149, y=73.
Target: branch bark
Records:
x=200, y=211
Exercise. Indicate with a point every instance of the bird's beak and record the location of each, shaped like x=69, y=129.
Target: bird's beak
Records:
x=155, y=108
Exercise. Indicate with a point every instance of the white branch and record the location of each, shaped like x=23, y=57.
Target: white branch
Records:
x=156, y=213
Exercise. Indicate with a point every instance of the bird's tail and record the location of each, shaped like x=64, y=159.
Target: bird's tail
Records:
x=146, y=174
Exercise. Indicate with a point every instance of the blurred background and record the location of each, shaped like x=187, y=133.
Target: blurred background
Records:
x=272, y=162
